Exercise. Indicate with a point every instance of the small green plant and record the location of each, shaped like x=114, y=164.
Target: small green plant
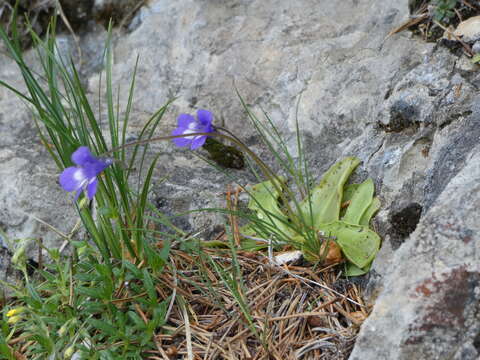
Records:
x=444, y=9
x=313, y=220
x=337, y=213
x=79, y=305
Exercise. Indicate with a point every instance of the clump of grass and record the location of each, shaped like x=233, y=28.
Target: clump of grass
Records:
x=96, y=301
x=66, y=120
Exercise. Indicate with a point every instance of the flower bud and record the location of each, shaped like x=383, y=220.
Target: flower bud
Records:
x=19, y=258
x=63, y=329
x=14, y=319
x=69, y=352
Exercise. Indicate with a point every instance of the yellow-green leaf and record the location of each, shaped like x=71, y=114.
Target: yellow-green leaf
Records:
x=371, y=210
x=348, y=191
x=264, y=201
x=326, y=197
x=359, y=244
x=354, y=270
x=360, y=201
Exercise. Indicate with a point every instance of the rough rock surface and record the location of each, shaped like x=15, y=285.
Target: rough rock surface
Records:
x=408, y=109
x=433, y=313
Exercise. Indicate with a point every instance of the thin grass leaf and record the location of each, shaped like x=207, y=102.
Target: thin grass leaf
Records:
x=128, y=108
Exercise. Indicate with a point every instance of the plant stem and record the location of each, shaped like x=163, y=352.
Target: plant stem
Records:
x=267, y=171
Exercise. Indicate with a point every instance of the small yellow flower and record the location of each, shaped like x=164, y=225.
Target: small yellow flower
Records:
x=16, y=311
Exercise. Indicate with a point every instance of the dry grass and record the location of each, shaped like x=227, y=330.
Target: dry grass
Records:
x=236, y=304
x=273, y=312
x=226, y=304
x=292, y=316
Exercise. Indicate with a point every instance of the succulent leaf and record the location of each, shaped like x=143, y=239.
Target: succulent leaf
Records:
x=353, y=270
x=359, y=203
x=264, y=201
x=325, y=199
x=321, y=212
x=348, y=191
x=371, y=210
x=359, y=244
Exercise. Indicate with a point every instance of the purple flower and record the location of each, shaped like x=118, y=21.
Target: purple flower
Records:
x=83, y=177
x=187, y=124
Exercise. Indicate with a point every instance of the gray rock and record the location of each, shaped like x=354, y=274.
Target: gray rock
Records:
x=407, y=109
x=436, y=154
x=414, y=99
x=236, y=39
x=476, y=47
x=433, y=313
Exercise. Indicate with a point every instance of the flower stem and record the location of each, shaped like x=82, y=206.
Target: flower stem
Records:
x=267, y=171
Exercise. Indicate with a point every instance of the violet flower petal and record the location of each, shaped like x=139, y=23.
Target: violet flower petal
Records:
x=92, y=189
x=184, y=120
x=181, y=141
x=204, y=117
x=198, y=142
x=187, y=125
x=208, y=128
x=95, y=167
x=72, y=178
x=83, y=177
x=82, y=156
